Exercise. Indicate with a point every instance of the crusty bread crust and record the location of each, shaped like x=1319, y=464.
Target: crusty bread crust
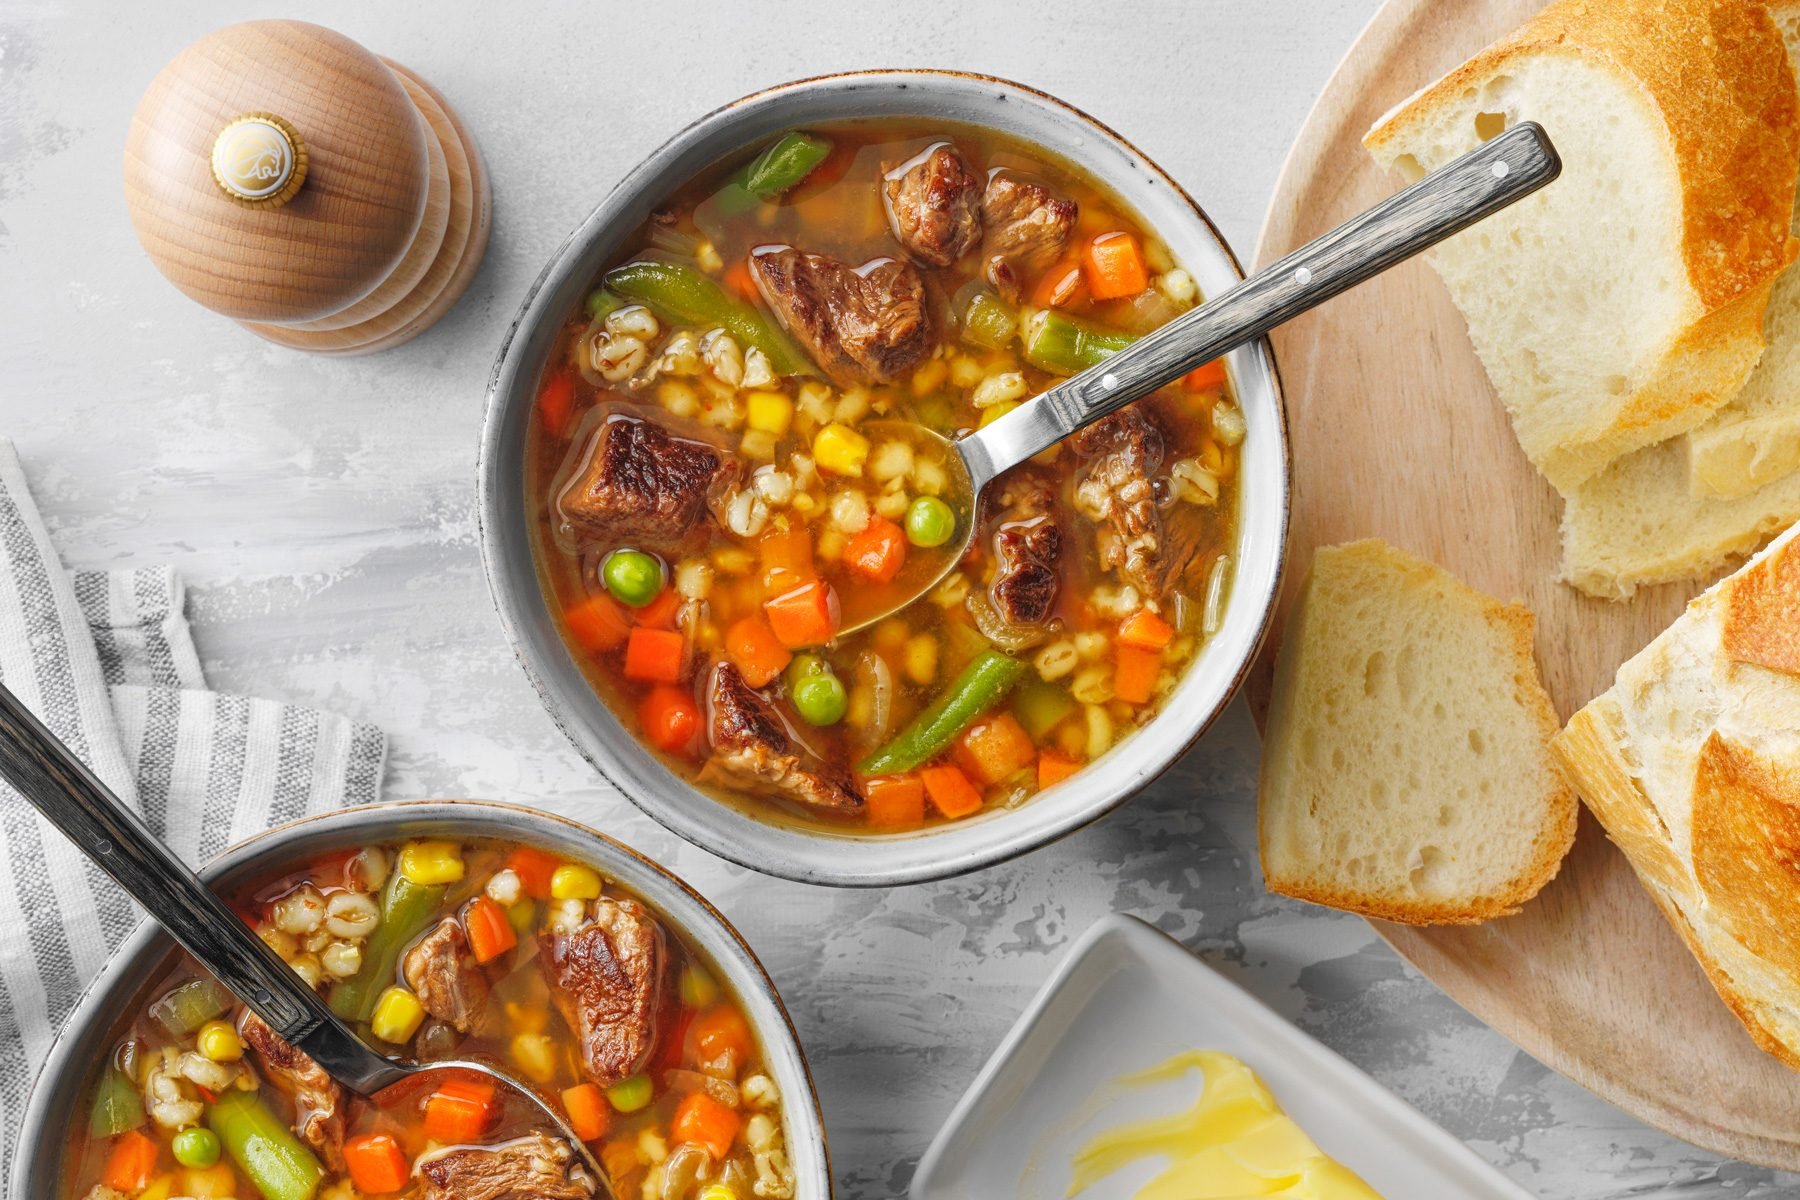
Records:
x=1715, y=76
x=1717, y=71
x=1734, y=865
x=1555, y=835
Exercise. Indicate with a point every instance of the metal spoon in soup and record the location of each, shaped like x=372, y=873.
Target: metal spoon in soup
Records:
x=1114, y=369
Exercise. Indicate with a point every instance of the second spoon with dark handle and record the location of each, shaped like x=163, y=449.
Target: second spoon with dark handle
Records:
x=72, y=798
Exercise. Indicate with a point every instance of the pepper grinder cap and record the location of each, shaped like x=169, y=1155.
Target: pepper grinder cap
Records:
x=276, y=171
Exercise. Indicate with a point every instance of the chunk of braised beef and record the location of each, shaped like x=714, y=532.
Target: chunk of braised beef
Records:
x=934, y=205
x=536, y=1167
x=442, y=970
x=1115, y=489
x=751, y=748
x=1026, y=225
x=608, y=975
x=318, y=1099
x=863, y=324
x=642, y=485
x=1027, y=548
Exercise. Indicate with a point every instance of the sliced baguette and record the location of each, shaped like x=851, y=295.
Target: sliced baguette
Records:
x=1623, y=304
x=1755, y=439
x=1406, y=772
x=1637, y=523
x=1691, y=761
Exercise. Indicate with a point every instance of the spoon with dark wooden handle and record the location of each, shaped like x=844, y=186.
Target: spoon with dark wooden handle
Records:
x=1450, y=199
x=73, y=799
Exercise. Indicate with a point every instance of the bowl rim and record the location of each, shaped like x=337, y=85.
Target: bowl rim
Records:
x=795, y=852
x=722, y=942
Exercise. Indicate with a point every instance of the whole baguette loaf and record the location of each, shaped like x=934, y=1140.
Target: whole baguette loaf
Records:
x=1623, y=304
x=1691, y=761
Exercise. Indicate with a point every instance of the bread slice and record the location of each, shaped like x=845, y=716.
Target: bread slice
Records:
x=1622, y=304
x=1755, y=439
x=1406, y=772
x=1686, y=509
x=1637, y=523
x=1692, y=763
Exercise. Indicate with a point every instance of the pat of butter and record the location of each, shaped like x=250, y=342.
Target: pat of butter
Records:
x=1234, y=1143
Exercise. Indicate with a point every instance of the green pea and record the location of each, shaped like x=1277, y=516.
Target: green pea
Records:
x=633, y=577
x=629, y=1095
x=929, y=522
x=805, y=666
x=197, y=1148
x=819, y=699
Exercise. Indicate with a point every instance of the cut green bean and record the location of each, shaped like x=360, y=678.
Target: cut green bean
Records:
x=190, y=1006
x=689, y=296
x=1064, y=346
x=277, y=1163
x=406, y=908
x=982, y=684
x=785, y=165
x=117, y=1105
x=988, y=322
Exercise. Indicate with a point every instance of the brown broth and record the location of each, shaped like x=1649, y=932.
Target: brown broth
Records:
x=839, y=211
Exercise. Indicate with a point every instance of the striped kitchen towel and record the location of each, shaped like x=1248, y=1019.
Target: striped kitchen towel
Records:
x=106, y=660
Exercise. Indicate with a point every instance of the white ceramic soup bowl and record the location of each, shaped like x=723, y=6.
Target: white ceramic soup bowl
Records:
x=850, y=859
x=58, y=1101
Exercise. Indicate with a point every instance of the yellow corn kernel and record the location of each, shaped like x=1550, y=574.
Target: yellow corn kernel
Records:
x=535, y=1055
x=572, y=881
x=770, y=412
x=427, y=863
x=398, y=1015
x=217, y=1182
x=994, y=412
x=159, y=1188
x=717, y=1191
x=841, y=450
x=219, y=1041
x=921, y=658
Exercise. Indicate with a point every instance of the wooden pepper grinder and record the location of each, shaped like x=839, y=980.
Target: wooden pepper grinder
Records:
x=326, y=199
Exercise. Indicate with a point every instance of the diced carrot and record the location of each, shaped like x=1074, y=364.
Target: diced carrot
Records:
x=1206, y=377
x=1058, y=286
x=787, y=559
x=1144, y=628
x=490, y=933
x=878, y=552
x=670, y=718
x=754, y=649
x=661, y=612
x=654, y=655
x=589, y=1114
x=721, y=1029
x=1054, y=766
x=895, y=801
x=556, y=402
x=460, y=1110
x=804, y=616
x=950, y=791
x=703, y=1121
x=738, y=279
x=376, y=1163
x=1134, y=672
x=597, y=624
x=130, y=1162
x=1113, y=266
x=994, y=748
x=534, y=868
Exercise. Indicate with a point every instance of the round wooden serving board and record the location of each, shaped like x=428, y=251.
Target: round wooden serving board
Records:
x=1397, y=434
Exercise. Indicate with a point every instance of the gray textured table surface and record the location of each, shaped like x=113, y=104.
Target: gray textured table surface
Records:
x=323, y=513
